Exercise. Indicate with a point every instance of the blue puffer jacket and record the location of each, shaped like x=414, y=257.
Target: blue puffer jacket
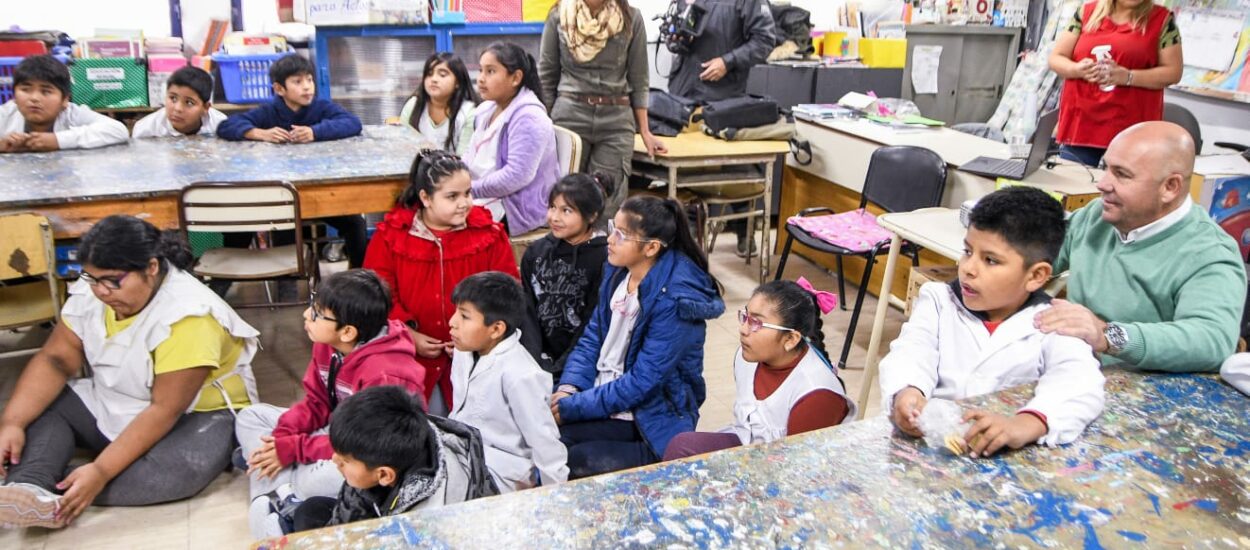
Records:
x=663, y=379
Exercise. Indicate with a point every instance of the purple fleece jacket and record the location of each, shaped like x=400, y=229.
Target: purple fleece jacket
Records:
x=525, y=167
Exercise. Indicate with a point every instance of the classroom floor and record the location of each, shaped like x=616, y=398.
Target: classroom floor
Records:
x=217, y=517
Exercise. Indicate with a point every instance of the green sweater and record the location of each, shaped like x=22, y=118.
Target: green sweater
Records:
x=1178, y=294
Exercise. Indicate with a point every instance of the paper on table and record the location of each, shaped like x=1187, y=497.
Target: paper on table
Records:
x=1224, y=165
x=1210, y=36
x=924, y=69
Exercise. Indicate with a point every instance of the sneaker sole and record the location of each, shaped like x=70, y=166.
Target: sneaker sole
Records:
x=22, y=508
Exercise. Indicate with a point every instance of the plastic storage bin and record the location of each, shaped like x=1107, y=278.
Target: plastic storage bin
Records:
x=883, y=53
x=245, y=78
x=112, y=83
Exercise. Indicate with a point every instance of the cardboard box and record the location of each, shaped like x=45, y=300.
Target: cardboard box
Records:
x=927, y=274
x=883, y=53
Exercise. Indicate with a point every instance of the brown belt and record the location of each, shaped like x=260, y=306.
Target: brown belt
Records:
x=600, y=99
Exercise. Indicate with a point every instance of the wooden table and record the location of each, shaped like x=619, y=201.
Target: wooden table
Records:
x=694, y=150
x=1167, y=465
x=74, y=189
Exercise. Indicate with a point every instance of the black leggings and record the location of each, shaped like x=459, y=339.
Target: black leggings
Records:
x=181, y=464
x=602, y=446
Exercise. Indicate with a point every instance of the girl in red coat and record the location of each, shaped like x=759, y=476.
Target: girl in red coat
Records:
x=430, y=241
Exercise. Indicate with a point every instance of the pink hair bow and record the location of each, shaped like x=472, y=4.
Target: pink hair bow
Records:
x=825, y=300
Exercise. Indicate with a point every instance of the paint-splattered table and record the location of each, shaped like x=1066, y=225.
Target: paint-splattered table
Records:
x=143, y=178
x=1165, y=466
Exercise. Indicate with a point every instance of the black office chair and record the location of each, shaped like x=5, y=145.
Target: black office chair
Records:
x=900, y=179
x=1182, y=117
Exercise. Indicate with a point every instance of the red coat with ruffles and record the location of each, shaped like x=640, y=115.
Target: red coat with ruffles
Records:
x=422, y=270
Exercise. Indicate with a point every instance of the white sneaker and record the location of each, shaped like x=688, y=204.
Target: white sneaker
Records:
x=26, y=505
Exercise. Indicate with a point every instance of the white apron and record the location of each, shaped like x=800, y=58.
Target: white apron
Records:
x=120, y=386
x=759, y=421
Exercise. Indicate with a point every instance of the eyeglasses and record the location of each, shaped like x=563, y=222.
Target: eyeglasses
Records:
x=111, y=283
x=615, y=232
x=754, y=324
x=316, y=315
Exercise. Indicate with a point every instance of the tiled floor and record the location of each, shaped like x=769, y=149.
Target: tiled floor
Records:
x=217, y=517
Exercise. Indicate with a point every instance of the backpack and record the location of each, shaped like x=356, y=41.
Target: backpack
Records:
x=740, y=112
x=668, y=113
x=793, y=24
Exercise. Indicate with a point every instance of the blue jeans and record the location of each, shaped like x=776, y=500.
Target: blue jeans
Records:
x=602, y=446
x=1089, y=156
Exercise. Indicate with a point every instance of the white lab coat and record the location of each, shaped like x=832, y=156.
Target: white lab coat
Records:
x=157, y=125
x=77, y=127
x=763, y=420
x=1236, y=371
x=946, y=352
x=507, y=396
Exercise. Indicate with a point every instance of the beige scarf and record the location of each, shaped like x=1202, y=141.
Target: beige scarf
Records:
x=587, y=34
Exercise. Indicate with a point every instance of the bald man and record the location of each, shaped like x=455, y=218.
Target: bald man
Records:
x=1155, y=284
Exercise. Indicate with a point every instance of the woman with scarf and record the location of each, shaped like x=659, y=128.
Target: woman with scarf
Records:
x=595, y=80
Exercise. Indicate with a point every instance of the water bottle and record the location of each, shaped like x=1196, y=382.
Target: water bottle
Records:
x=1102, y=54
x=1021, y=127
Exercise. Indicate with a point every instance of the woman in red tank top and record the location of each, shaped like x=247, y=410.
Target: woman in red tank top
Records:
x=1145, y=59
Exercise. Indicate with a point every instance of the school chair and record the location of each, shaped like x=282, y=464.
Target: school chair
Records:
x=249, y=207
x=568, y=151
x=724, y=196
x=900, y=178
x=29, y=291
x=1182, y=117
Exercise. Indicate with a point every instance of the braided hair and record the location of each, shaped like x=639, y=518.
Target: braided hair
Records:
x=429, y=169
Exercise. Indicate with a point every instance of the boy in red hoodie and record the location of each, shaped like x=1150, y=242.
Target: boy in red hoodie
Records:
x=287, y=451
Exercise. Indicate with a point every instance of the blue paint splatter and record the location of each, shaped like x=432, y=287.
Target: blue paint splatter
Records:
x=1207, y=504
x=943, y=524
x=1051, y=511
x=1240, y=449
x=1132, y=535
x=1158, y=466
x=772, y=490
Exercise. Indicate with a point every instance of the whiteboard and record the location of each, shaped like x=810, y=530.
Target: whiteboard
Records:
x=1209, y=37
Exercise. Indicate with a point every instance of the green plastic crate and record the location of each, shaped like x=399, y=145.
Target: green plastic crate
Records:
x=203, y=240
x=110, y=83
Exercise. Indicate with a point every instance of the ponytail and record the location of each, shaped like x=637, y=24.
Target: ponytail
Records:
x=665, y=220
x=128, y=243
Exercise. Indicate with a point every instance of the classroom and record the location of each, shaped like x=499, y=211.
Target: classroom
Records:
x=322, y=274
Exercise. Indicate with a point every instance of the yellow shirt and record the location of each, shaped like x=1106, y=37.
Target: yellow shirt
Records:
x=195, y=342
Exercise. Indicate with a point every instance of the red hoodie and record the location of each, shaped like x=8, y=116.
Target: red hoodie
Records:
x=385, y=361
x=422, y=270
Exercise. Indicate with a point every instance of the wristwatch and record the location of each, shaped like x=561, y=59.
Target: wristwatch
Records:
x=1117, y=338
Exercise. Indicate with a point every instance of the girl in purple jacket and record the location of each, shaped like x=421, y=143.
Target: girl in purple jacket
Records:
x=512, y=156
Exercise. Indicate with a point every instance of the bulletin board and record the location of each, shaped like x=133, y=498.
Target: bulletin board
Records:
x=1209, y=31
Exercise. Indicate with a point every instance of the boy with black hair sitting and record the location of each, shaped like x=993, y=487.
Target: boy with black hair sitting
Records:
x=188, y=109
x=295, y=115
x=40, y=116
x=355, y=347
x=976, y=335
x=395, y=459
x=498, y=388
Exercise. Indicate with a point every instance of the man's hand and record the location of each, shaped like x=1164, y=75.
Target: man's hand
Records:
x=1069, y=319
x=713, y=70
x=301, y=134
x=271, y=135
x=908, y=403
x=991, y=432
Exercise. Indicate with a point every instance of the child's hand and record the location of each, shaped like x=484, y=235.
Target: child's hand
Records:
x=301, y=134
x=14, y=142
x=264, y=460
x=271, y=135
x=908, y=403
x=555, y=404
x=991, y=432
x=42, y=141
x=427, y=347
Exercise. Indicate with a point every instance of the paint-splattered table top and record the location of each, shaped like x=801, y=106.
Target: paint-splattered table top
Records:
x=154, y=167
x=1165, y=466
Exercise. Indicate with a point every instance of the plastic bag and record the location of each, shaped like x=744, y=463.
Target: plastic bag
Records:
x=893, y=107
x=943, y=426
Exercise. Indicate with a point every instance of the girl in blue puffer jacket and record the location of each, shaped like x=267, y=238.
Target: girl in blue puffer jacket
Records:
x=635, y=377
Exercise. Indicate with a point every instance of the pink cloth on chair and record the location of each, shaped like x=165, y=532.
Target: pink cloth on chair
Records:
x=856, y=230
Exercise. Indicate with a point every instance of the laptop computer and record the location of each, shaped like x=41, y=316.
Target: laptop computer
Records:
x=1018, y=168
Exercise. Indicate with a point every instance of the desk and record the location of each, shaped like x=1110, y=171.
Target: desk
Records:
x=75, y=189
x=1165, y=465
x=696, y=150
x=935, y=229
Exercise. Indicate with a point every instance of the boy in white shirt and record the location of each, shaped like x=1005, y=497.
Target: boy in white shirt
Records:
x=40, y=116
x=976, y=334
x=498, y=388
x=188, y=109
